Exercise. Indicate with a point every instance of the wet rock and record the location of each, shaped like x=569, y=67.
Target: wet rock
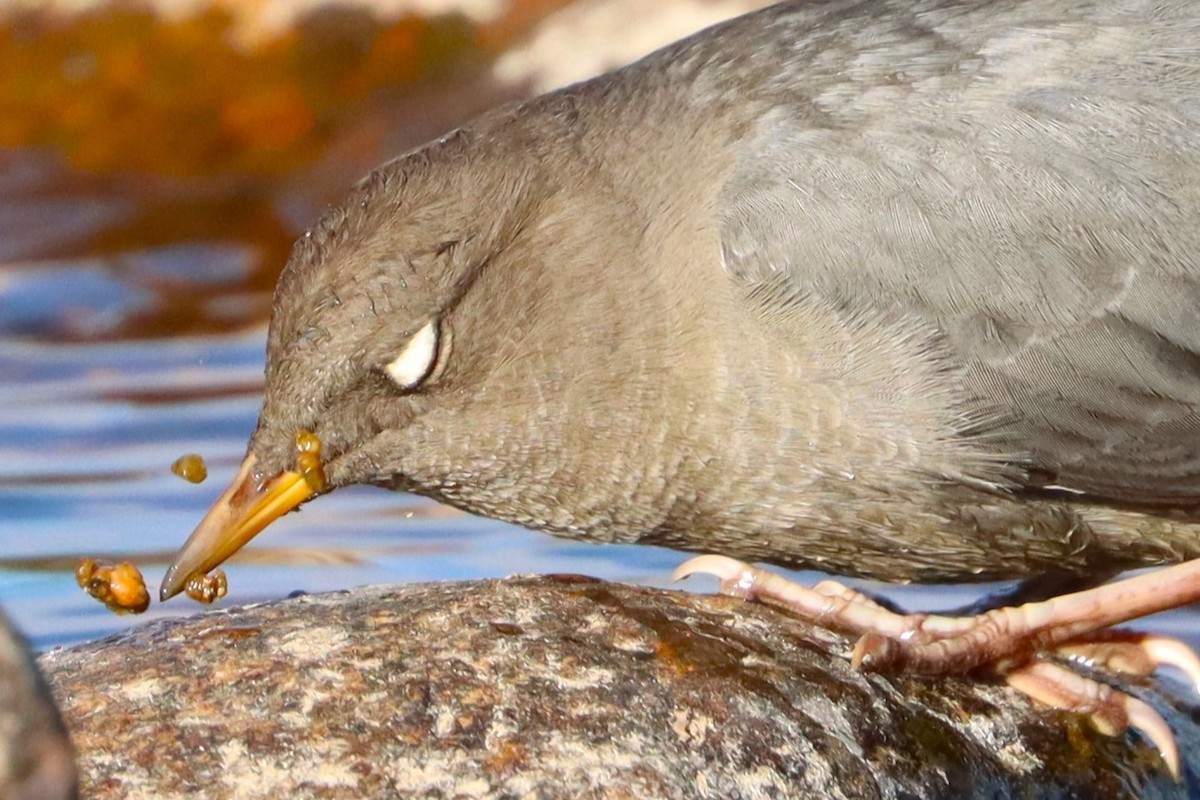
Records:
x=36, y=759
x=554, y=687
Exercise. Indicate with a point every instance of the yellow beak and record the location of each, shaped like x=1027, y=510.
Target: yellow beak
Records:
x=245, y=509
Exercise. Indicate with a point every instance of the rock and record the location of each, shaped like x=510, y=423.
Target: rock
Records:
x=36, y=758
x=555, y=687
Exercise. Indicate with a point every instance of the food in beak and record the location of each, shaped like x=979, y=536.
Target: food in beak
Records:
x=250, y=504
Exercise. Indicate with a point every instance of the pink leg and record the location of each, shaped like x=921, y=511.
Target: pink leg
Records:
x=1009, y=642
x=933, y=644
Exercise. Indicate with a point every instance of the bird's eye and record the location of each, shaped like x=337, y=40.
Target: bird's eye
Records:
x=416, y=359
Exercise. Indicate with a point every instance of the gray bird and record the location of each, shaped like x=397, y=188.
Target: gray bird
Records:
x=903, y=290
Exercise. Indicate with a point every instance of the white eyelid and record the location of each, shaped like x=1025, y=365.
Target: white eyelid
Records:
x=416, y=359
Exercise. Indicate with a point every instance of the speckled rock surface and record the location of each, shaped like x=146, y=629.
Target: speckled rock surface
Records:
x=553, y=687
x=36, y=760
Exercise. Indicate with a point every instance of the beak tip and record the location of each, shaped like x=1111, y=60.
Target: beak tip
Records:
x=172, y=584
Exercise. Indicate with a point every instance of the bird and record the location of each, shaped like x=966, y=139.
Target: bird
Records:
x=903, y=290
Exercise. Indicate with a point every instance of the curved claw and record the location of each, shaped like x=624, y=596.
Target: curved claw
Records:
x=1168, y=651
x=1150, y=723
x=1110, y=710
x=729, y=571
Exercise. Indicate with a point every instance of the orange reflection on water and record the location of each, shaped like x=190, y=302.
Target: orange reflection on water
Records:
x=198, y=139
x=122, y=89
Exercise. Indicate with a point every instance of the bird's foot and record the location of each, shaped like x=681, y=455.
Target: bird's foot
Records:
x=1030, y=646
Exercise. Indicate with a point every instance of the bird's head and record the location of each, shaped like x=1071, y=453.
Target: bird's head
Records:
x=372, y=327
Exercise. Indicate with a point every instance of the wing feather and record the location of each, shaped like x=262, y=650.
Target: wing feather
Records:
x=1032, y=189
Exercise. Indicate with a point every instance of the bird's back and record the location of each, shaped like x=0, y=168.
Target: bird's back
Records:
x=1023, y=176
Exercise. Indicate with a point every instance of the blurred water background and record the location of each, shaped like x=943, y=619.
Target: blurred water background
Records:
x=155, y=165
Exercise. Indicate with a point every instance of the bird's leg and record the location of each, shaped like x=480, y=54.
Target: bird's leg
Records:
x=934, y=644
x=1015, y=643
